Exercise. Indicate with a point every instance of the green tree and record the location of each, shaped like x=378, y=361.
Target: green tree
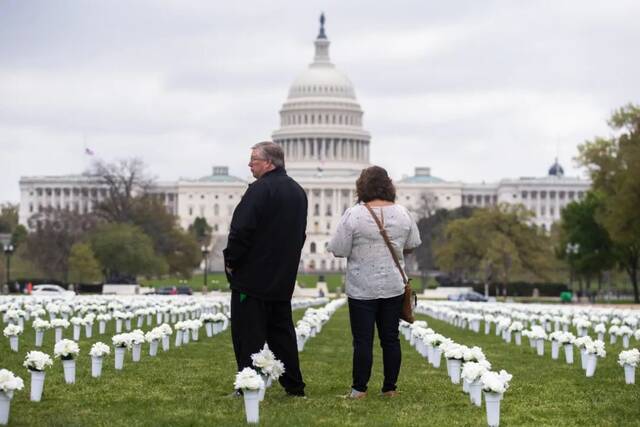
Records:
x=614, y=166
x=578, y=226
x=179, y=248
x=201, y=230
x=83, y=266
x=125, y=251
x=8, y=217
x=55, y=232
x=493, y=244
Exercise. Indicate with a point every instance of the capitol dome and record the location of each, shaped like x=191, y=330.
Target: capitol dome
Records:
x=321, y=120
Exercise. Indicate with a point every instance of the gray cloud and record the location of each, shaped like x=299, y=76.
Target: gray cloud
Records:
x=476, y=90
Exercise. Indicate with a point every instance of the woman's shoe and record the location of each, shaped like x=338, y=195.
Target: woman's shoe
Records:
x=357, y=395
x=390, y=393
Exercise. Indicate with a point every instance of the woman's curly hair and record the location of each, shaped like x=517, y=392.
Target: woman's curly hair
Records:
x=374, y=183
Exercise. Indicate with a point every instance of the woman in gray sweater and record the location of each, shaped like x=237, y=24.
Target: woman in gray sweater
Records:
x=374, y=284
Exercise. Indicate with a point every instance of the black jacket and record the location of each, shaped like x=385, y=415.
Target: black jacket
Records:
x=266, y=237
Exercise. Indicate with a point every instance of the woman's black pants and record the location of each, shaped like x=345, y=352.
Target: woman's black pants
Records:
x=364, y=315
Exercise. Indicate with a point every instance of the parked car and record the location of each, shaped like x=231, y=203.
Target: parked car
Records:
x=174, y=290
x=468, y=296
x=51, y=291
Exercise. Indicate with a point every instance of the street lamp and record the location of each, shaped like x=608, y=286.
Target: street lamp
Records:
x=571, y=250
x=205, y=257
x=8, y=250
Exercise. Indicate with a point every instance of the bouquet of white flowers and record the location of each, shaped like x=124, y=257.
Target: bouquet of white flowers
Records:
x=248, y=379
x=137, y=336
x=516, y=326
x=472, y=371
x=303, y=330
x=40, y=325
x=473, y=354
x=99, y=349
x=10, y=382
x=66, y=349
x=629, y=357
x=600, y=328
x=153, y=335
x=581, y=342
x=452, y=350
x=595, y=347
x=122, y=340
x=76, y=321
x=60, y=323
x=12, y=330
x=494, y=382
x=37, y=361
x=267, y=364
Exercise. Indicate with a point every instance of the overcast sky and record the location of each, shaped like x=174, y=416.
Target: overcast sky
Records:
x=477, y=90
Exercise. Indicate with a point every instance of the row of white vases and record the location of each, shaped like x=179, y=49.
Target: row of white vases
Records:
x=69, y=366
x=454, y=367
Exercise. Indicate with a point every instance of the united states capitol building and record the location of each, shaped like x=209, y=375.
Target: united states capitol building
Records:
x=326, y=146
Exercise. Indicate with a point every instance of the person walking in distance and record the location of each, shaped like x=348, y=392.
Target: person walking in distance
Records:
x=261, y=259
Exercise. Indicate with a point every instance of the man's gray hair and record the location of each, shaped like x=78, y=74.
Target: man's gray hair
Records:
x=271, y=151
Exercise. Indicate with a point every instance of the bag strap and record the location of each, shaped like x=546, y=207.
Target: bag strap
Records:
x=386, y=239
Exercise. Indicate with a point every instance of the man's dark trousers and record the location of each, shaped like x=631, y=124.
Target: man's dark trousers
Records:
x=255, y=321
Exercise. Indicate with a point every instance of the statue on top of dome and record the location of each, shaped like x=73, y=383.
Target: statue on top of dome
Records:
x=322, y=34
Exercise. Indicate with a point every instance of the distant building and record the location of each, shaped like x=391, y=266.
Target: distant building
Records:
x=326, y=147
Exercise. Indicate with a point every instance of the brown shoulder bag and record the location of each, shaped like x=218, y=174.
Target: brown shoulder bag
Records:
x=409, y=297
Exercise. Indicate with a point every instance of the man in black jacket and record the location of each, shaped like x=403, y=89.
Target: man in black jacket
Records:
x=261, y=260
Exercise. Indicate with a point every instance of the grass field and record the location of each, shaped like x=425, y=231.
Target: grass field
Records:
x=189, y=386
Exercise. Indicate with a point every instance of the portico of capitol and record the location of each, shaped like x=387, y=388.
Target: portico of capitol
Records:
x=326, y=146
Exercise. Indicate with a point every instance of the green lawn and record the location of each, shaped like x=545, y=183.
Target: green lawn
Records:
x=218, y=281
x=189, y=385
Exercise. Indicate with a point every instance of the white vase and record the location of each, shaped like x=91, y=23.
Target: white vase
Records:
x=300, y=341
x=252, y=405
x=140, y=321
x=629, y=374
x=149, y=319
x=592, y=360
x=165, y=343
x=582, y=332
x=158, y=318
x=487, y=328
x=583, y=358
x=532, y=342
x=263, y=389
x=69, y=367
x=178, y=341
x=565, y=328
x=601, y=336
x=5, y=404
x=555, y=349
x=118, y=326
x=475, y=393
x=39, y=338
x=437, y=357
x=612, y=338
x=194, y=334
x=540, y=346
x=507, y=336
x=96, y=366
x=412, y=339
x=13, y=342
x=455, y=371
x=153, y=347
x=208, y=327
x=58, y=334
x=465, y=385
x=429, y=352
x=492, y=403
x=76, y=332
x=102, y=327
x=518, y=337
x=135, y=352
x=119, y=357
x=37, y=385
x=127, y=324
x=186, y=337
x=625, y=341
x=568, y=353
x=88, y=330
